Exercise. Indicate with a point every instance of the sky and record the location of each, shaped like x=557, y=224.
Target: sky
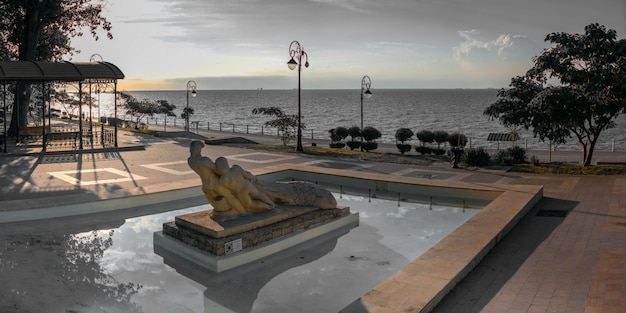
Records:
x=244, y=44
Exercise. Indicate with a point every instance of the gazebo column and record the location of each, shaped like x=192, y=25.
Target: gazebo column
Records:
x=4, y=114
x=43, y=113
x=115, y=109
x=80, y=115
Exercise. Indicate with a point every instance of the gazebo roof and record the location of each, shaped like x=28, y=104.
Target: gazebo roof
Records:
x=59, y=71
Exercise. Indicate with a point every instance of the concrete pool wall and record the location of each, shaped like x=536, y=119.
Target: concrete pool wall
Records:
x=418, y=286
x=423, y=283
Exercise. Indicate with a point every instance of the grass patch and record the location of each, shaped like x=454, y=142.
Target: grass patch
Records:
x=358, y=155
x=541, y=168
x=569, y=169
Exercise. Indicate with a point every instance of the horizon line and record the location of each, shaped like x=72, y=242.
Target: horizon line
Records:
x=283, y=89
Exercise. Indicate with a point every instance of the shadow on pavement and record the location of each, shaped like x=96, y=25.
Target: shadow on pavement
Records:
x=475, y=291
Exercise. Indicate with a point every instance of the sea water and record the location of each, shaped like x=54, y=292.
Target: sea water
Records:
x=450, y=110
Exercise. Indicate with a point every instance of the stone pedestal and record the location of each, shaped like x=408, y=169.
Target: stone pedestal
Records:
x=221, y=245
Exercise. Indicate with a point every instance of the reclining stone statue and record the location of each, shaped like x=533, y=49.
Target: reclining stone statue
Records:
x=233, y=191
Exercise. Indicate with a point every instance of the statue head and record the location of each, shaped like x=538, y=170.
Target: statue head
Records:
x=221, y=166
x=196, y=146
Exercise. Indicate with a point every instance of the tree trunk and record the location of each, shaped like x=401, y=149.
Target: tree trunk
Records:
x=589, y=153
x=27, y=52
x=20, y=107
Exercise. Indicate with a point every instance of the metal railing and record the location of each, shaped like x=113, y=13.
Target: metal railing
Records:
x=316, y=134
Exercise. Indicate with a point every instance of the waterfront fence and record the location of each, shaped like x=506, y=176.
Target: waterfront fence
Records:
x=474, y=141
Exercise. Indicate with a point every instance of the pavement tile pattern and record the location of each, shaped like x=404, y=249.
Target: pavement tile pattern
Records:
x=567, y=255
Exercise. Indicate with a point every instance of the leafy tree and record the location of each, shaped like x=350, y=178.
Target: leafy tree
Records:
x=165, y=108
x=35, y=30
x=440, y=137
x=138, y=109
x=286, y=124
x=576, y=88
x=187, y=113
x=71, y=103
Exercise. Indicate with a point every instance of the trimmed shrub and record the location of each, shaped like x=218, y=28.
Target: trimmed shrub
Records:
x=423, y=150
x=425, y=136
x=354, y=144
x=370, y=146
x=354, y=132
x=370, y=134
x=438, y=151
x=403, y=134
x=403, y=148
x=338, y=134
x=342, y=132
x=440, y=137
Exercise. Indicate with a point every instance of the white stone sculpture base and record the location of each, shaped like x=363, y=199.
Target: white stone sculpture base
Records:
x=236, y=256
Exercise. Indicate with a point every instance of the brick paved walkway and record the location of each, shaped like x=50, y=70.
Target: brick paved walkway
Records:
x=548, y=263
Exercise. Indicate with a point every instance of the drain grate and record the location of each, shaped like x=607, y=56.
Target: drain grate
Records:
x=552, y=213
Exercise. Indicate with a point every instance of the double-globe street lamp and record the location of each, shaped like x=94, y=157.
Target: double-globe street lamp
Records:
x=296, y=53
x=191, y=85
x=366, y=82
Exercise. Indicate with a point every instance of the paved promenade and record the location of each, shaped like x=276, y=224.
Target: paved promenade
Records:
x=567, y=255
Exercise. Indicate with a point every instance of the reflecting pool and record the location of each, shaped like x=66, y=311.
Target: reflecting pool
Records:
x=98, y=264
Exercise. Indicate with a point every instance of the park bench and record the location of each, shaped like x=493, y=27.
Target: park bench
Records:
x=32, y=132
x=502, y=137
x=62, y=140
x=497, y=137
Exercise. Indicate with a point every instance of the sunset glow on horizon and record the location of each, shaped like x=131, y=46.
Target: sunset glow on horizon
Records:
x=237, y=44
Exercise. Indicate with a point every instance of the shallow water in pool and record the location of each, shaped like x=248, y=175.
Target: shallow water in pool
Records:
x=112, y=267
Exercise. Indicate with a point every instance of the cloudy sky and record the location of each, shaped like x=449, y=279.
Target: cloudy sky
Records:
x=244, y=44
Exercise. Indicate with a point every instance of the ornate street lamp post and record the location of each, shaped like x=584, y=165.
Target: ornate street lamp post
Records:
x=365, y=93
x=191, y=85
x=295, y=53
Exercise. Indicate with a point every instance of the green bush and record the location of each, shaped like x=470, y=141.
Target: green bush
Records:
x=510, y=156
x=503, y=158
x=518, y=154
x=403, y=148
x=440, y=137
x=338, y=134
x=534, y=160
x=369, y=146
x=423, y=150
x=425, y=136
x=354, y=132
x=354, y=144
x=403, y=134
x=437, y=151
x=477, y=157
x=370, y=134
